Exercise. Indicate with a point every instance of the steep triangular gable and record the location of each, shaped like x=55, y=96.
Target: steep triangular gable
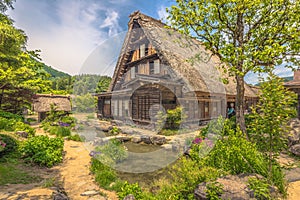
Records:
x=134, y=37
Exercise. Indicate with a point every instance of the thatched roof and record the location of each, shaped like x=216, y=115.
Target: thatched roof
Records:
x=188, y=58
x=43, y=102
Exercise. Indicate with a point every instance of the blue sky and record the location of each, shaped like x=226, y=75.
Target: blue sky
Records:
x=68, y=31
x=84, y=36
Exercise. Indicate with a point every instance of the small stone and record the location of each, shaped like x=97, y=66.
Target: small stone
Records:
x=90, y=193
x=129, y=197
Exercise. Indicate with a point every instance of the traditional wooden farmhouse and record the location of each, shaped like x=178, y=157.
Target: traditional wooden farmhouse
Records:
x=159, y=69
x=42, y=104
x=294, y=85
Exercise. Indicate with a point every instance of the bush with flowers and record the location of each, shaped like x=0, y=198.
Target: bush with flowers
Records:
x=8, y=144
x=2, y=145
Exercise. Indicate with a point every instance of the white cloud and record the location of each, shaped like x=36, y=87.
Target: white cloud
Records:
x=66, y=35
x=111, y=22
x=162, y=13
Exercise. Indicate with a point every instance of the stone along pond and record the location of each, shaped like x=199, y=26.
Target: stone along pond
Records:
x=148, y=155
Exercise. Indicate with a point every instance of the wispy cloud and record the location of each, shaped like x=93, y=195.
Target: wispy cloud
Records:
x=112, y=23
x=162, y=13
x=68, y=34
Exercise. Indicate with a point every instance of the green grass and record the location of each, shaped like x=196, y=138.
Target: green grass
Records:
x=10, y=173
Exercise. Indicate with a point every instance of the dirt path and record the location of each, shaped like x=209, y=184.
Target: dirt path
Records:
x=72, y=176
x=75, y=173
x=294, y=191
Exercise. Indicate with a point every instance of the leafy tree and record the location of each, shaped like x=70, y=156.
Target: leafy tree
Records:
x=20, y=70
x=269, y=124
x=5, y=4
x=247, y=35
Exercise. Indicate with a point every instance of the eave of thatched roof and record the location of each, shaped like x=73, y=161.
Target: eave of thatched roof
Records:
x=187, y=57
x=43, y=102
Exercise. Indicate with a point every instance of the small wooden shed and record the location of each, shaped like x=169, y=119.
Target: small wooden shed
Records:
x=294, y=85
x=42, y=104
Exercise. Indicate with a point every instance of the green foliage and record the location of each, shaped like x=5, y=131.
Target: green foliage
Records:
x=171, y=119
x=43, y=150
x=5, y=5
x=75, y=137
x=20, y=74
x=84, y=103
x=185, y=176
x=236, y=155
x=246, y=35
x=269, y=124
x=11, y=173
x=55, y=73
x=218, y=127
x=89, y=83
x=9, y=115
x=59, y=131
x=11, y=144
x=133, y=189
x=260, y=187
x=7, y=124
x=115, y=130
x=112, y=152
x=214, y=190
x=20, y=126
x=168, y=132
x=104, y=175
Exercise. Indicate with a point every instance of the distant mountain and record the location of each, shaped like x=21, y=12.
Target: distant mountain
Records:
x=289, y=78
x=285, y=79
x=55, y=73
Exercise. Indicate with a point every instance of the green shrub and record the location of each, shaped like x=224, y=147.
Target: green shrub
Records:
x=260, y=187
x=133, y=189
x=170, y=120
x=43, y=150
x=75, y=137
x=185, y=176
x=59, y=131
x=11, y=144
x=7, y=124
x=115, y=130
x=9, y=115
x=237, y=155
x=20, y=126
x=68, y=120
x=219, y=127
x=214, y=190
x=104, y=175
x=112, y=152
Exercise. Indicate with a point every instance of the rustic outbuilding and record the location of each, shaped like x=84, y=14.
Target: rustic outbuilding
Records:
x=42, y=104
x=294, y=85
x=159, y=69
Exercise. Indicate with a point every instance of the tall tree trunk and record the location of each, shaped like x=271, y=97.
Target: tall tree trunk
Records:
x=240, y=83
x=240, y=103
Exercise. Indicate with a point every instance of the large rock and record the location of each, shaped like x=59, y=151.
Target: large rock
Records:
x=293, y=138
x=136, y=139
x=234, y=188
x=158, y=140
x=146, y=139
x=22, y=134
x=295, y=149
